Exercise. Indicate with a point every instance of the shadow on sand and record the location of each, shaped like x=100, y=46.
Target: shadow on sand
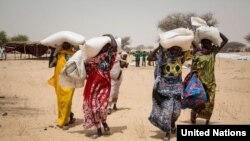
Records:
x=160, y=135
x=89, y=133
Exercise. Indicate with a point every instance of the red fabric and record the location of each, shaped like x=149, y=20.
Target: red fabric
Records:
x=96, y=92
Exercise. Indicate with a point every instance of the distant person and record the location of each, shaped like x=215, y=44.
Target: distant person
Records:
x=137, y=58
x=2, y=53
x=116, y=80
x=64, y=95
x=144, y=55
x=167, y=89
x=203, y=64
x=153, y=59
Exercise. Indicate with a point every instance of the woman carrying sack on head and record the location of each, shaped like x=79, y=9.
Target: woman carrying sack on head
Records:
x=203, y=65
x=98, y=85
x=64, y=95
x=168, y=89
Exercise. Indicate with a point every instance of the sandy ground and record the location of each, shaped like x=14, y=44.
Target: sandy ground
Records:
x=28, y=104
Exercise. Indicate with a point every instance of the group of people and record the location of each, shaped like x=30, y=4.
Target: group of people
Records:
x=138, y=55
x=102, y=88
x=168, y=88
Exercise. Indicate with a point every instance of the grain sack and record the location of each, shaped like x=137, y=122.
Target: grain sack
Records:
x=73, y=74
x=116, y=69
x=57, y=39
x=94, y=45
x=119, y=44
x=180, y=37
x=196, y=21
x=208, y=32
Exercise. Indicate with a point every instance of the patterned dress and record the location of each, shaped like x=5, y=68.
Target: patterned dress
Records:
x=167, y=90
x=203, y=64
x=97, y=89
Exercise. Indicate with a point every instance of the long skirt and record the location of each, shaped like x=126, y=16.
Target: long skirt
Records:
x=115, y=86
x=166, y=105
x=206, y=112
x=95, y=103
x=64, y=95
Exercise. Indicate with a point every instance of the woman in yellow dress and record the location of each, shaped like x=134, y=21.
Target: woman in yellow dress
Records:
x=64, y=95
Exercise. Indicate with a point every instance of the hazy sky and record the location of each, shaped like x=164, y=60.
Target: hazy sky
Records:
x=135, y=18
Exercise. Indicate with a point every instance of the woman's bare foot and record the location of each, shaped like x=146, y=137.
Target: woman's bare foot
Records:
x=71, y=118
x=106, y=128
x=98, y=134
x=115, y=108
x=193, y=116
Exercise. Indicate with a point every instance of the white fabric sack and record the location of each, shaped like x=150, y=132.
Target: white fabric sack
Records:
x=181, y=37
x=57, y=39
x=94, y=45
x=73, y=74
x=196, y=21
x=208, y=32
x=115, y=70
x=119, y=44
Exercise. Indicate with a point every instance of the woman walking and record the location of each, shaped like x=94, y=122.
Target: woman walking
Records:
x=98, y=85
x=203, y=64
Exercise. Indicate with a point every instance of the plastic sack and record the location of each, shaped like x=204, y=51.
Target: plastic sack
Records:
x=73, y=74
x=56, y=40
x=115, y=70
x=180, y=37
x=196, y=21
x=194, y=95
x=208, y=32
x=94, y=45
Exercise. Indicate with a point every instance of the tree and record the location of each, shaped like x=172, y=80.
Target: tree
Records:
x=140, y=47
x=233, y=47
x=3, y=38
x=248, y=38
x=177, y=20
x=19, y=38
x=125, y=41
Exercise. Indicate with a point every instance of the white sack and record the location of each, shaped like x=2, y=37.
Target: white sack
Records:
x=94, y=45
x=196, y=21
x=119, y=44
x=181, y=37
x=57, y=39
x=115, y=70
x=73, y=74
x=208, y=32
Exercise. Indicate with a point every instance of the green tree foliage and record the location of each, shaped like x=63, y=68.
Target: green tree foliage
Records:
x=248, y=38
x=125, y=41
x=233, y=47
x=3, y=38
x=19, y=38
x=177, y=20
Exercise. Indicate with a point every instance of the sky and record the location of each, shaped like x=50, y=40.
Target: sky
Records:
x=137, y=19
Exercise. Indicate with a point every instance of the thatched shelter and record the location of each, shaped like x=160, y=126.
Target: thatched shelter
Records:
x=31, y=48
